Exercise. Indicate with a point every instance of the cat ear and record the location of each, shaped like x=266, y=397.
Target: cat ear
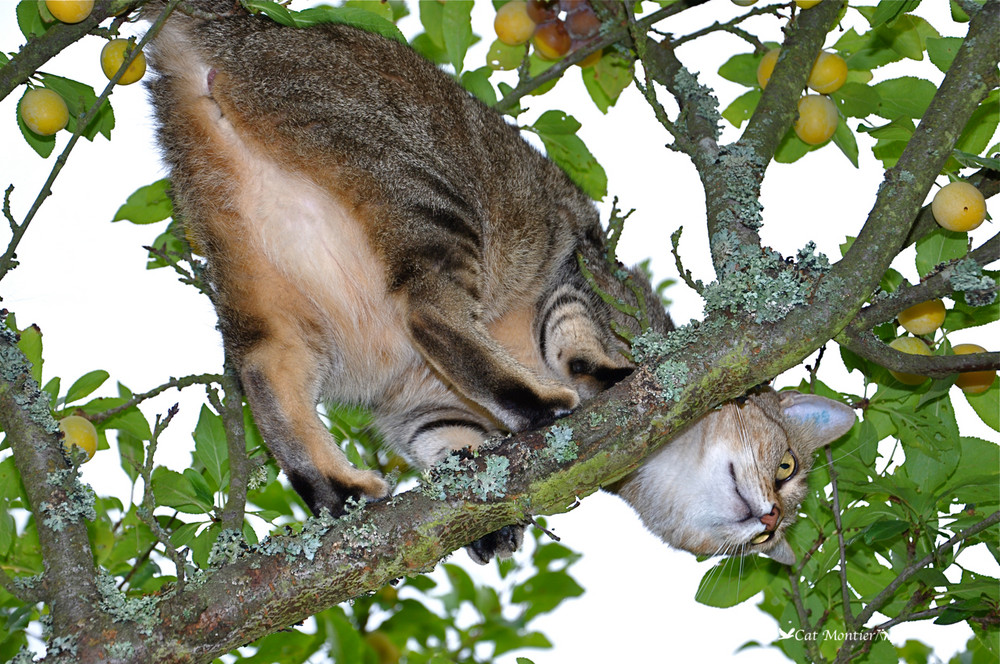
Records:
x=782, y=553
x=817, y=420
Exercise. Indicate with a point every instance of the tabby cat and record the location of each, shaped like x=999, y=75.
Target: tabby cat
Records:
x=377, y=236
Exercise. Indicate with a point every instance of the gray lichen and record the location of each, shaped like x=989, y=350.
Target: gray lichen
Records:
x=700, y=98
x=459, y=474
x=967, y=277
x=28, y=582
x=23, y=656
x=559, y=444
x=140, y=610
x=122, y=650
x=671, y=376
x=744, y=172
x=757, y=281
x=77, y=504
x=227, y=548
x=60, y=646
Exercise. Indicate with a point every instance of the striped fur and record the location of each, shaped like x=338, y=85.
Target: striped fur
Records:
x=377, y=236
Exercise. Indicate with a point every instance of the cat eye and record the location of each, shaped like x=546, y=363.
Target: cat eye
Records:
x=763, y=537
x=786, y=468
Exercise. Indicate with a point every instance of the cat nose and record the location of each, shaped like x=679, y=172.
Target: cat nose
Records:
x=772, y=518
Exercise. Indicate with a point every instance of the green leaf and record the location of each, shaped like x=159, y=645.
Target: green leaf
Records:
x=504, y=57
x=987, y=405
x=29, y=19
x=742, y=108
x=975, y=161
x=791, y=149
x=606, y=80
x=544, y=592
x=856, y=100
x=432, y=19
x=86, y=384
x=735, y=580
x=558, y=133
x=30, y=343
x=939, y=246
x=478, y=83
x=210, y=445
x=942, y=50
x=131, y=453
x=907, y=35
x=865, y=52
x=175, y=490
x=456, y=28
x=885, y=530
x=742, y=69
x=42, y=145
x=377, y=7
x=906, y=96
x=132, y=421
x=889, y=10
x=147, y=204
x=353, y=16
x=202, y=491
x=981, y=126
x=844, y=139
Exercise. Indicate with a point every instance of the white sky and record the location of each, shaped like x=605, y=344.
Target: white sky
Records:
x=82, y=281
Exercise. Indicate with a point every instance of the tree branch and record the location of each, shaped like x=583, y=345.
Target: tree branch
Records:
x=7, y=260
x=56, y=498
x=40, y=49
x=179, y=383
x=886, y=593
x=905, y=186
x=844, y=588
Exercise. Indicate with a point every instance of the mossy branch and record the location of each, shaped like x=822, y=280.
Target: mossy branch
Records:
x=38, y=454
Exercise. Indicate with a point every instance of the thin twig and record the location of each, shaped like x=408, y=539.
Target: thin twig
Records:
x=7, y=261
x=179, y=383
x=886, y=593
x=527, y=86
x=686, y=276
x=730, y=27
x=145, y=512
x=812, y=648
x=845, y=589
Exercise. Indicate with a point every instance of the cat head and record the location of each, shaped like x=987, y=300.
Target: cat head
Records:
x=732, y=482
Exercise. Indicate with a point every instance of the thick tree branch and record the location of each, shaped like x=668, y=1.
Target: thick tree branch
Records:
x=778, y=103
x=57, y=500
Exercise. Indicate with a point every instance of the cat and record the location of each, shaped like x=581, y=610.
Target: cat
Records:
x=375, y=235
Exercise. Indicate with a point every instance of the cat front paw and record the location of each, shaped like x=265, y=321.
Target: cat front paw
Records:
x=533, y=407
x=498, y=544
